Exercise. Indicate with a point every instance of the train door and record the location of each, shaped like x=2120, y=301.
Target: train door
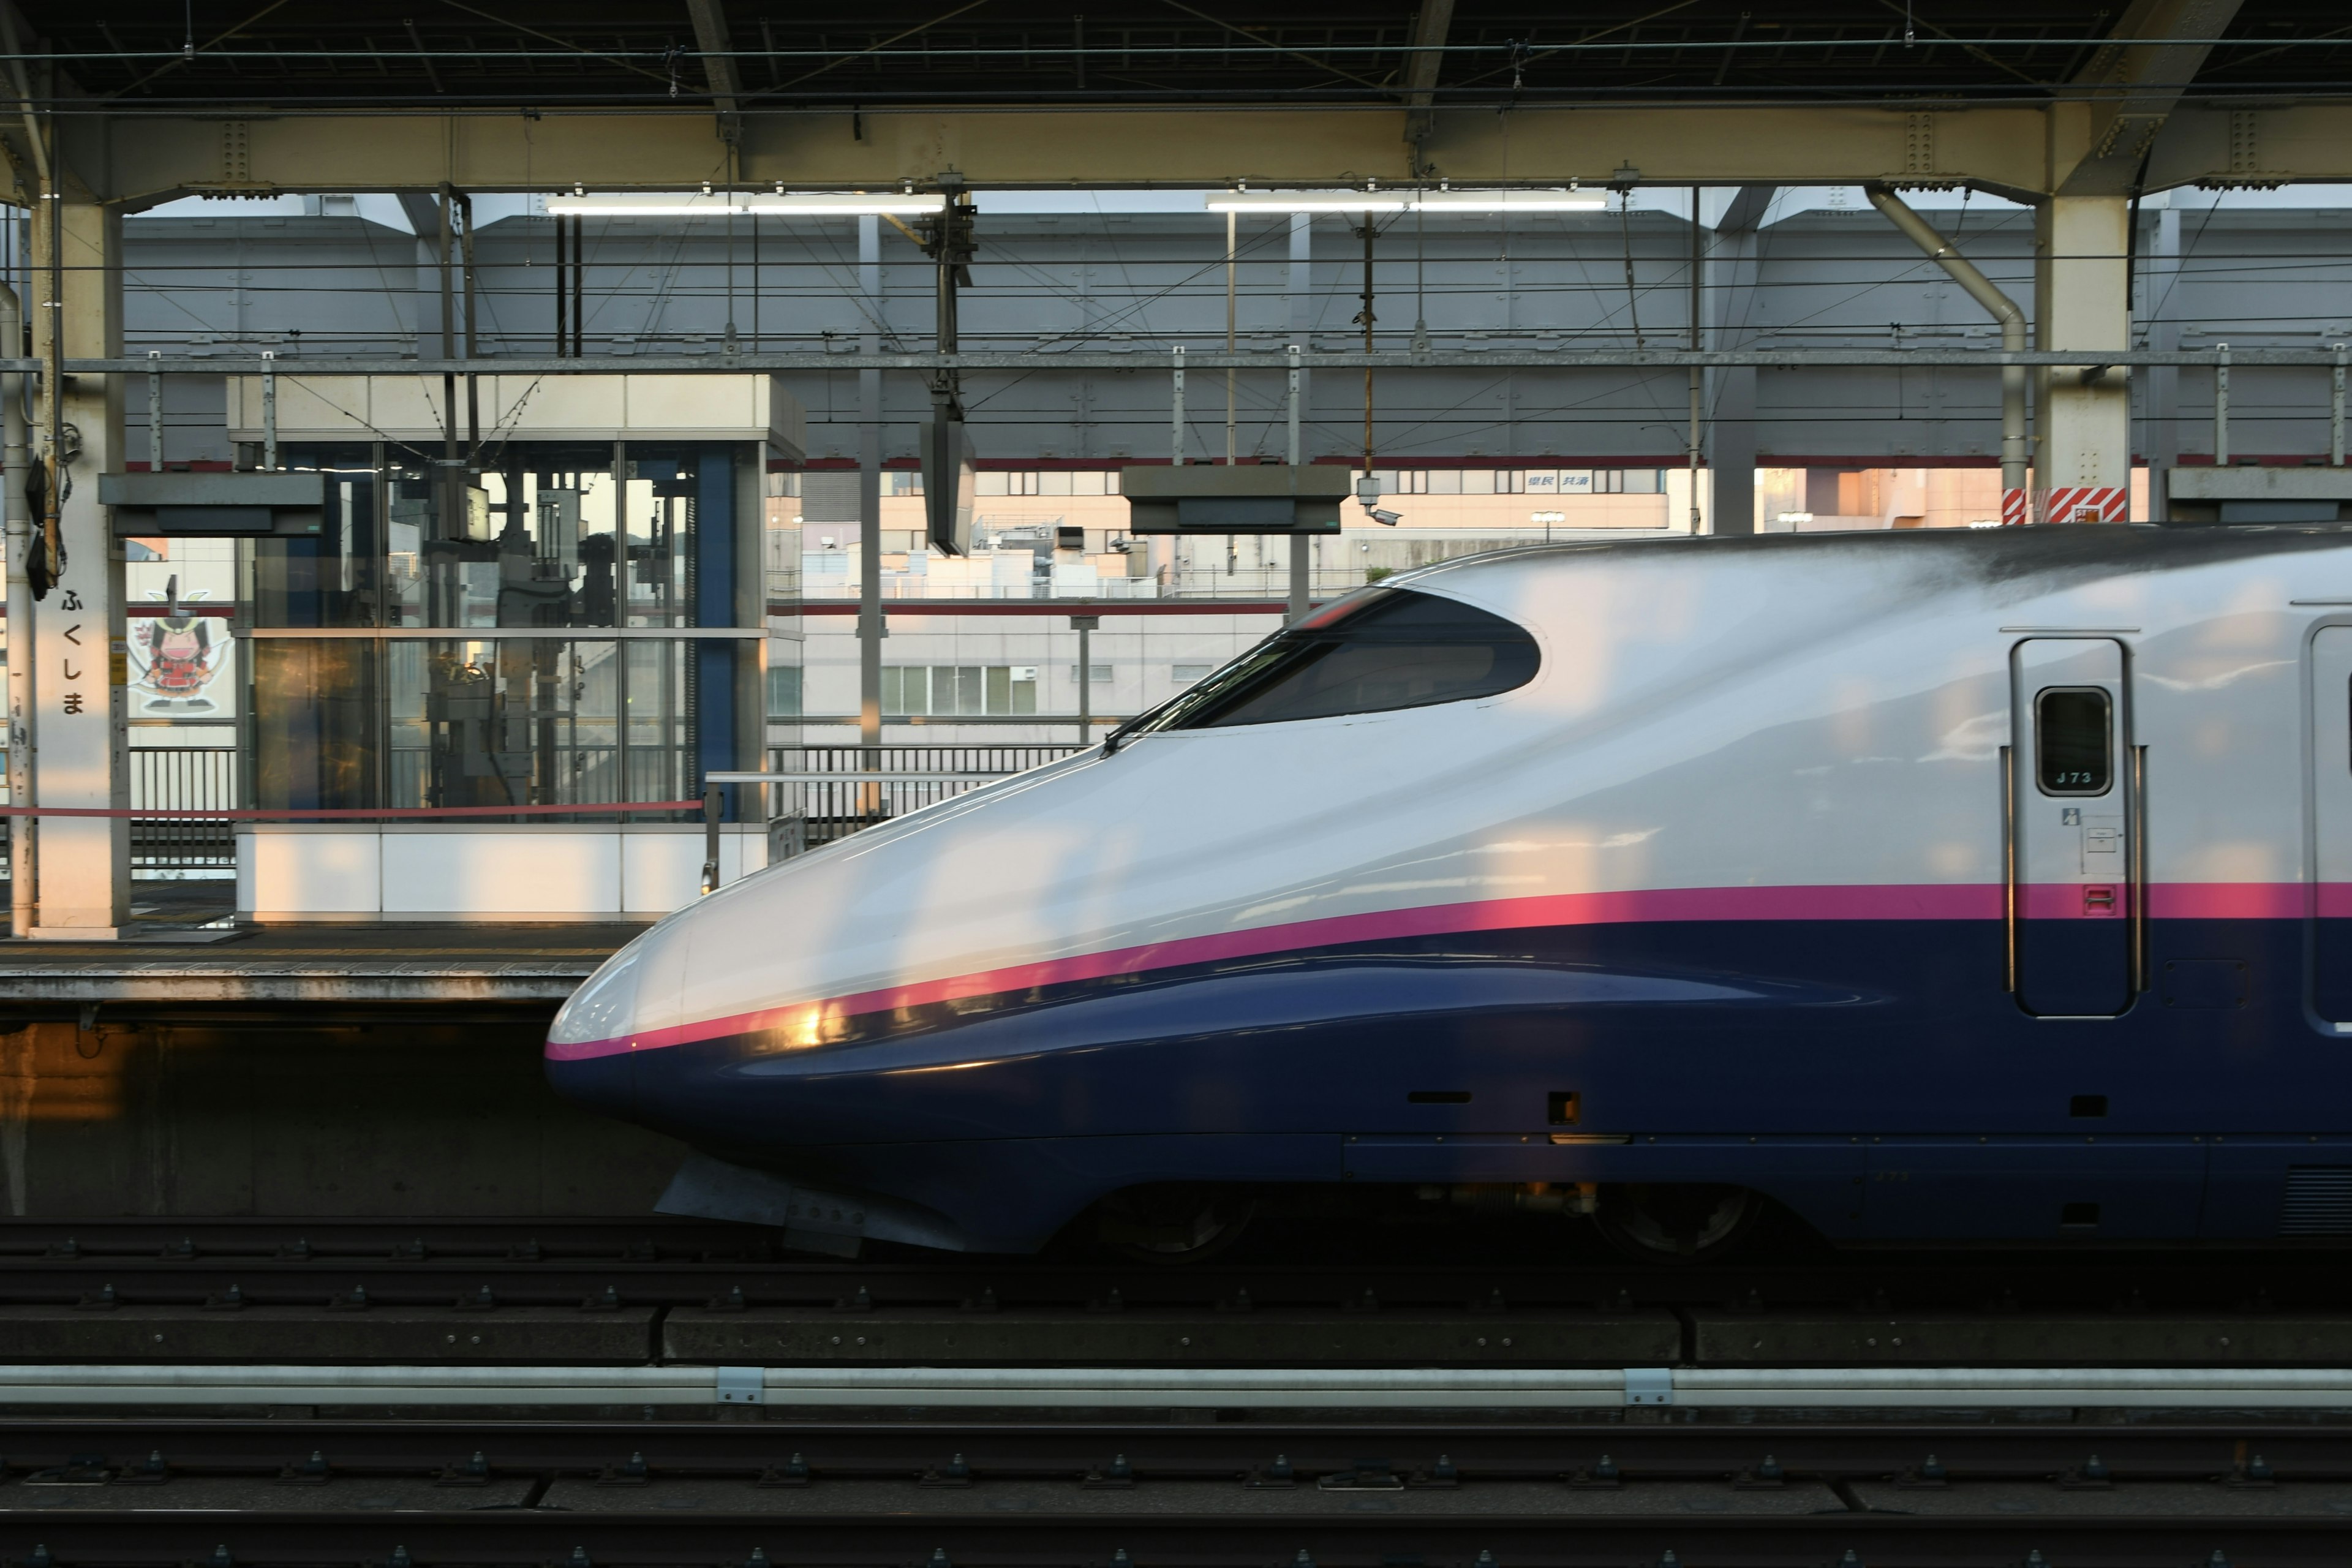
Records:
x=2072, y=847
x=2331, y=791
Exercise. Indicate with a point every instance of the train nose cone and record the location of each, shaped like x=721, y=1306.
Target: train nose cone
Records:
x=589, y=1056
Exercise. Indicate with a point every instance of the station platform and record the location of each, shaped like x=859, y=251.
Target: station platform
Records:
x=167, y=969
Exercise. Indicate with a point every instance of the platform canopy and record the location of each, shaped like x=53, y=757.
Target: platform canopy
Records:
x=2024, y=100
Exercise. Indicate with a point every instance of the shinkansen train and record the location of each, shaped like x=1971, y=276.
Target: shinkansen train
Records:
x=1929, y=887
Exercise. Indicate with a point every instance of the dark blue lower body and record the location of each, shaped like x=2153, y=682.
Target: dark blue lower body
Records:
x=1877, y=1078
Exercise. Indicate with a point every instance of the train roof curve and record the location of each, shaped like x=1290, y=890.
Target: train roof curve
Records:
x=1998, y=566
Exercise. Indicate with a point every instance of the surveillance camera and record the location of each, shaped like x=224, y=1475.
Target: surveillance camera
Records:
x=1387, y=519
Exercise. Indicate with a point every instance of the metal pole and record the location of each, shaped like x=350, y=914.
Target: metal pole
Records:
x=22, y=910
x=154, y=415
x=1229, y=319
x=1083, y=626
x=1366, y=319
x=1301, y=546
x=473, y=382
x=712, y=795
x=270, y=411
x=579, y=285
x=2335, y=412
x=2221, y=405
x=1176, y=414
x=1696, y=261
x=869, y=513
x=563, y=225
x=452, y=488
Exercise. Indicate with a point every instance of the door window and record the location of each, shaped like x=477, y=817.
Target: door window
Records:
x=2074, y=742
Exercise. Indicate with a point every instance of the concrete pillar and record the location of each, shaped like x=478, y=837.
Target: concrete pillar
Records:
x=2081, y=301
x=82, y=717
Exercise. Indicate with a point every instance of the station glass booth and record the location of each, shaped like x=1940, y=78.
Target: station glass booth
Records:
x=548, y=622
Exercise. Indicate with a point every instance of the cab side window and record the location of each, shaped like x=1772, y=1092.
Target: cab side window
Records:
x=1373, y=652
x=2073, y=740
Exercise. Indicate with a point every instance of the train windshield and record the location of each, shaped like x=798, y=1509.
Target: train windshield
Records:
x=1376, y=650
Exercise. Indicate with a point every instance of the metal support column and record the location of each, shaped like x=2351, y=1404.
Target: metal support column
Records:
x=2335, y=408
x=154, y=415
x=22, y=831
x=1085, y=627
x=869, y=507
x=2221, y=405
x=1302, y=547
x=1697, y=376
x=2160, y=396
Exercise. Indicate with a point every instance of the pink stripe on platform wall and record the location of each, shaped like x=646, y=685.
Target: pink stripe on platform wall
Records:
x=1890, y=901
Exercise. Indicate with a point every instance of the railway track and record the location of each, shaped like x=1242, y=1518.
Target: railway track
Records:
x=665, y=1262
x=1379, y=1495
x=1934, y=1475
x=638, y=1292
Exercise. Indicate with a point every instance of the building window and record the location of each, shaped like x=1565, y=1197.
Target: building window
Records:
x=784, y=692
x=917, y=690
x=1096, y=673
x=902, y=482
x=1186, y=674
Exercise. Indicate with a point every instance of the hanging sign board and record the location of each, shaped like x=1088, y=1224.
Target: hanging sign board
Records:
x=212, y=505
x=1232, y=499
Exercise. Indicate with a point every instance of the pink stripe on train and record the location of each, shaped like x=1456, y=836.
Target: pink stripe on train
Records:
x=1894, y=902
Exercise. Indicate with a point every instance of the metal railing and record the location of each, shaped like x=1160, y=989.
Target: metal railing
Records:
x=172, y=778
x=819, y=811
x=183, y=778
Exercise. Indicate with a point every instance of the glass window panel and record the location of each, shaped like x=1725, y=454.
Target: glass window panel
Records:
x=1380, y=649
x=337, y=577
x=784, y=692
x=656, y=538
x=1024, y=687
x=2073, y=740
x=315, y=741
x=1000, y=689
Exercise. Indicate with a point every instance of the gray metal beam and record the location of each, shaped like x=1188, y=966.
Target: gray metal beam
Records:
x=719, y=69
x=1420, y=68
x=2134, y=87
x=1746, y=213
x=1201, y=359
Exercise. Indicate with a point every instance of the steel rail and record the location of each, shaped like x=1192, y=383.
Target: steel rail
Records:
x=613, y=1534
x=1183, y=1387
x=1480, y=1447
x=1566, y=356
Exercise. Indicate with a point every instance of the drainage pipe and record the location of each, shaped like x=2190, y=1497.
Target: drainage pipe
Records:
x=2003, y=309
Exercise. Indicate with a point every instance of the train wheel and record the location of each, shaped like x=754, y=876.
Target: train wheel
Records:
x=1174, y=1222
x=1678, y=1224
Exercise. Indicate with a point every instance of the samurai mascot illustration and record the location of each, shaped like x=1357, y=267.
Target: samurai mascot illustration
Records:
x=178, y=647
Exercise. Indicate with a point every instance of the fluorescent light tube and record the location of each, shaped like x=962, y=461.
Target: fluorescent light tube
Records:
x=814, y=204
x=1307, y=201
x=1510, y=201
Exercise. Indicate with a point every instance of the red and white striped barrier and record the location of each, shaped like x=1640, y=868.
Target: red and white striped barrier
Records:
x=2087, y=503
x=2013, y=512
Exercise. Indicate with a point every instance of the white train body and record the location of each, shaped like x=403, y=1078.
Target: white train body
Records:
x=1778, y=872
